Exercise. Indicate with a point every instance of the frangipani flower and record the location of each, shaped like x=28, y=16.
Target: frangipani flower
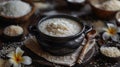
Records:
x=111, y=32
x=16, y=58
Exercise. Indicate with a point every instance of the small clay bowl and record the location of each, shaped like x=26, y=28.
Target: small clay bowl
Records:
x=101, y=13
x=107, y=57
x=8, y=38
x=21, y=19
x=12, y=38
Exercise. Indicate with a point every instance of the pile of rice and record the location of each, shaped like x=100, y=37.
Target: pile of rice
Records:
x=60, y=27
x=13, y=30
x=14, y=8
x=112, y=5
x=110, y=51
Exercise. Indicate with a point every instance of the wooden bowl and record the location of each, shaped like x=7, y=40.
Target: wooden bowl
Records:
x=21, y=19
x=7, y=39
x=101, y=13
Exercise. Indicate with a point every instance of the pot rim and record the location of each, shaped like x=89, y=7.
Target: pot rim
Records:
x=62, y=16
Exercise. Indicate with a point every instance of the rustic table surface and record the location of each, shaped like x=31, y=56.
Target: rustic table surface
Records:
x=61, y=7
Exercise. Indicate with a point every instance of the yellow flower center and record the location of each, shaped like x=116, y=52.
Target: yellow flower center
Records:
x=112, y=31
x=18, y=59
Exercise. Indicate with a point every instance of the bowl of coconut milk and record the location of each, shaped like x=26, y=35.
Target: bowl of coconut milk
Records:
x=60, y=34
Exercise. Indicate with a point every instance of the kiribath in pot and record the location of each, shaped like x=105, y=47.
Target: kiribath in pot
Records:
x=60, y=34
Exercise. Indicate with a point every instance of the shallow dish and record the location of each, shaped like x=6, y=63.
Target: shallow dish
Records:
x=111, y=45
x=76, y=4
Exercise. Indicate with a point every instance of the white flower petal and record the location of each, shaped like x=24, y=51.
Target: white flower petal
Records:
x=105, y=36
x=19, y=51
x=111, y=25
x=118, y=30
x=104, y=29
x=16, y=65
x=12, y=61
x=27, y=60
x=115, y=37
x=11, y=54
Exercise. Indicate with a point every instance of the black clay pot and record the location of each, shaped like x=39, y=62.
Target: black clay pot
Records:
x=60, y=45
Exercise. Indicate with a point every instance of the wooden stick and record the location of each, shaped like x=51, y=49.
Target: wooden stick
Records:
x=82, y=54
x=88, y=44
